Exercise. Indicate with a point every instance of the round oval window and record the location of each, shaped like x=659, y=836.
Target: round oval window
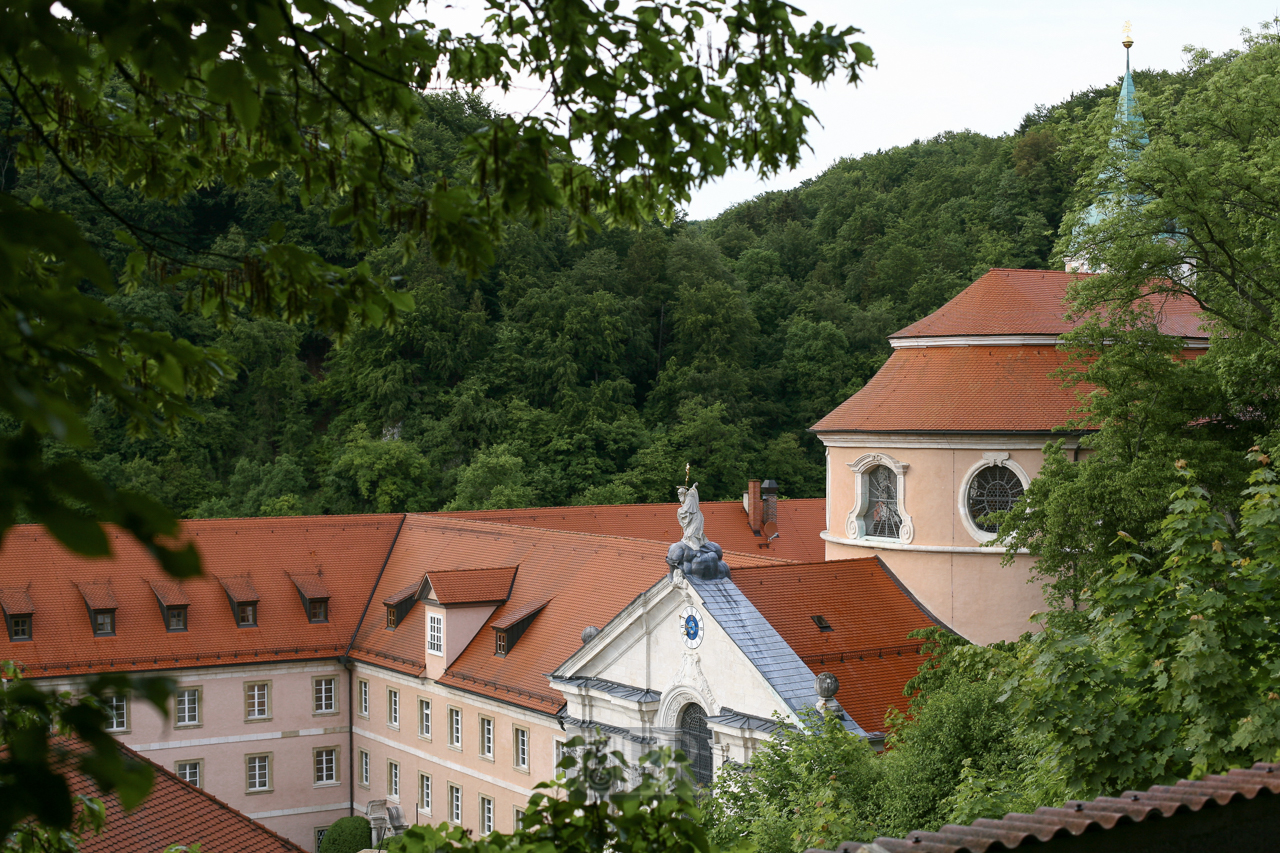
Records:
x=993, y=489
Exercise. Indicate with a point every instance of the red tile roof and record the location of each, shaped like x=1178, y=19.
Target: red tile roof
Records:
x=169, y=593
x=511, y=616
x=1030, y=302
x=97, y=595
x=586, y=580
x=346, y=551
x=174, y=813
x=870, y=613
x=240, y=588
x=800, y=523
x=16, y=601
x=311, y=586
x=963, y=389
x=472, y=586
x=404, y=594
x=1062, y=829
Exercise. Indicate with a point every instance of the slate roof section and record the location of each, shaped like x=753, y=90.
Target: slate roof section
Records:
x=174, y=813
x=870, y=613
x=1054, y=829
x=1031, y=302
x=349, y=549
x=763, y=646
x=472, y=586
x=587, y=580
x=613, y=688
x=511, y=616
x=169, y=593
x=97, y=595
x=16, y=601
x=800, y=524
x=736, y=720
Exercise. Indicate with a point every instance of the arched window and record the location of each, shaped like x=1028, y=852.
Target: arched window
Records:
x=993, y=489
x=695, y=740
x=881, y=517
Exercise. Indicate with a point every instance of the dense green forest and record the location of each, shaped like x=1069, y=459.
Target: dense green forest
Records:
x=575, y=372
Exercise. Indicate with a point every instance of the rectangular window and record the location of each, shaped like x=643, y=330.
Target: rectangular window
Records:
x=424, y=718
x=486, y=737
x=247, y=615
x=393, y=708
x=520, y=748
x=455, y=804
x=519, y=818
x=189, y=772
x=258, y=770
x=486, y=815
x=424, y=793
x=455, y=728
x=326, y=765
x=104, y=623
x=559, y=753
x=364, y=698
x=391, y=618
x=500, y=642
x=117, y=708
x=364, y=768
x=435, y=634
x=324, y=695
x=175, y=618
x=186, y=707
x=320, y=832
x=256, y=704
x=19, y=628
x=393, y=779
x=319, y=610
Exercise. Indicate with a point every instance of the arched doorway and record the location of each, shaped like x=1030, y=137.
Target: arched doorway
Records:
x=695, y=740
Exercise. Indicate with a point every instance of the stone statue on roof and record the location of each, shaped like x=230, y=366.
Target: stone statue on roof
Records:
x=690, y=517
x=694, y=555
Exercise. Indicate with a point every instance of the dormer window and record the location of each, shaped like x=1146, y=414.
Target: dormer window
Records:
x=391, y=618
x=823, y=625
x=500, y=643
x=243, y=598
x=318, y=610
x=175, y=618
x=314, y=596
x=511, y=625
x=18, y=611
x=399, y=605
x=173, y=604
x=104, y=623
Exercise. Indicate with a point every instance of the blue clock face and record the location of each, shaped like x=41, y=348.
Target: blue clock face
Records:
x=691, y=627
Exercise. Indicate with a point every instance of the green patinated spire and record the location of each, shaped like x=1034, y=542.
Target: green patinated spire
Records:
x=1129, y=120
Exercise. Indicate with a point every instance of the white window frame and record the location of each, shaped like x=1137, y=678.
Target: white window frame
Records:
x=517, y=818
x=251, y=762
x=486, y=737
x=183, y=717
x=117, y=708
x=435, y=634
x=250, y=688
x=989, y=460
x=455, y=803
x=486, y=814
x=393, y=780
x=181, y=773
x=424, y=718
x=558, y=753
x=324, y=765
x=424, y=793
x=249, y=608
x=393, y=708
x=324, y=695
x=455, y=727
x=520, y=747
x=364, y=698
x=366, y=767
x=855, y=526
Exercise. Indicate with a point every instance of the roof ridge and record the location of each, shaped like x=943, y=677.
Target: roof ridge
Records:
x=473, y=569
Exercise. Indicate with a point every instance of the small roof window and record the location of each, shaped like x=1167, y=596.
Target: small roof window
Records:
x=101, y=603
x=399, y=604
x=510, y=626
x=823, y=625
x=173, y=602
x=243, y=597
x=314, y=596
x=18, y=612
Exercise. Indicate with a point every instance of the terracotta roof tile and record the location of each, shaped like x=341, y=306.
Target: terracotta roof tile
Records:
x=169, y=592
x=472, y=586
x=869, y=612
x=16, y=600
x=174, y=813
x=348, y=550
x=97, y=595
x=510, y=617
x=800, y=523
x=408, y=592
x=240, y=588
x=1030, y=302
x=311, y=586
x=564, y=567
x=1098, y=817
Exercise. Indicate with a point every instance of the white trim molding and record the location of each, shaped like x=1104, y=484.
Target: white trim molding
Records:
x=989, y=460
x=967, y=441
x=854, y=525
x=887, y=545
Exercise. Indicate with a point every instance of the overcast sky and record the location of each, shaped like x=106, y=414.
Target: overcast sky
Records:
x=956, y=64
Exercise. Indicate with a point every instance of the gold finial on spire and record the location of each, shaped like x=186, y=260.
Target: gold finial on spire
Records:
x=1127, y=29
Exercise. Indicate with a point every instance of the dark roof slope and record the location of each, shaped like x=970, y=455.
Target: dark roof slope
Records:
x=253, y=557
x=869, y=613
x=1160, y=818
x=1030, y=302
x=800, y=523
x=174, y=813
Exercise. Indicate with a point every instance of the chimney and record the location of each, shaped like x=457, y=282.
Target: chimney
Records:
x=755, y=509
x=769, y=498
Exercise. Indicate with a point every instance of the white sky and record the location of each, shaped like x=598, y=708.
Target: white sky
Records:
x=954, y=65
